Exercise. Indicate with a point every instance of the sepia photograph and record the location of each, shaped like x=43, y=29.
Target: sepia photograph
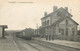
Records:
x=39, y=25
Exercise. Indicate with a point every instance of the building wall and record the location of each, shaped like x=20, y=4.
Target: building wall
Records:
x=69, y=30
x=71, y=27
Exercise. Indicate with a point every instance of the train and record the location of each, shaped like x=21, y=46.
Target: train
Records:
x=27, y=33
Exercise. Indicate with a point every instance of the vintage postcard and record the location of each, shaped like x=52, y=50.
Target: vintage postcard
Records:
x=39, y=25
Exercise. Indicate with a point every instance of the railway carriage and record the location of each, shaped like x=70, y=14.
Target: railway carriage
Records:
x=26, y=34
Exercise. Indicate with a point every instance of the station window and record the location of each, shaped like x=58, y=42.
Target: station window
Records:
x=53, y=30
x=48, y=22
x=45, y=23
x=73, y=31
x=61, y=31
x=42, y=23
x=58, y=14
x=67, y=22
x=66, y=31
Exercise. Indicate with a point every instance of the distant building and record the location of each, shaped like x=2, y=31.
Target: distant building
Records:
x=36, y=33
x=2, y=30
x=59, y=24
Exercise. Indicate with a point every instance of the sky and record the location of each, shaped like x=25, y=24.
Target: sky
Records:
x=21, y=14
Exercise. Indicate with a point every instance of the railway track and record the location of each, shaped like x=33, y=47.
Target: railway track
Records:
x=46, y=46
x=38, y=46
x=54, y=46
x=24, y=46
x=30, y=44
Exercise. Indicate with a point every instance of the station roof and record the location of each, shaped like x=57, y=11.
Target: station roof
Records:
x=5, y=26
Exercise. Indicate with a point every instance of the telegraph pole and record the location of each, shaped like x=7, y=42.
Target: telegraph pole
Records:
x=37, y=26
x=37, y=29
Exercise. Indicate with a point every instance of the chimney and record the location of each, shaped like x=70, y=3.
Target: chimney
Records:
x=45, y=14
x=55, y=8
x=66, y=8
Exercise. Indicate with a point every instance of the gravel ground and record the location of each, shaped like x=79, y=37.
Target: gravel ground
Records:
x=8, y=44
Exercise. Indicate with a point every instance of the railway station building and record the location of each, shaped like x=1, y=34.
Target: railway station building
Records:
x=59, y=25
x=2, y=30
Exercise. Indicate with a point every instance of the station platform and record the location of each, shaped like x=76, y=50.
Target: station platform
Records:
x=8, y=44
x=62, y=42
